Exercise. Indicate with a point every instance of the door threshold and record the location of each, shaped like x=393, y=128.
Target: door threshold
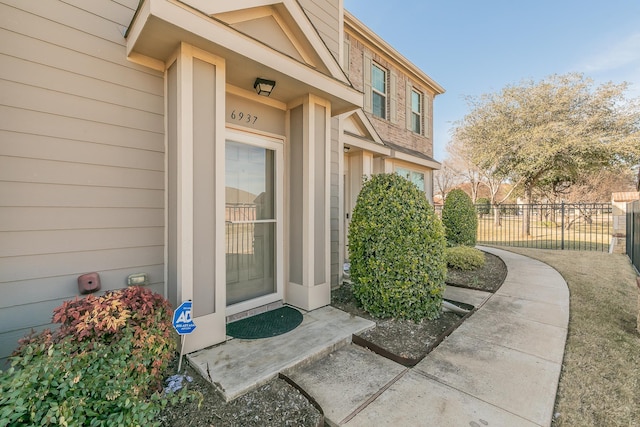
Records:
x=254, y=311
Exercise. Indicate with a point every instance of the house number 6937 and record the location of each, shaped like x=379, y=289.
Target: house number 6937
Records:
x=243, y=117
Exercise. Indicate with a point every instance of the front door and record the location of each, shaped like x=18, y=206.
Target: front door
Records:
x=253, y=230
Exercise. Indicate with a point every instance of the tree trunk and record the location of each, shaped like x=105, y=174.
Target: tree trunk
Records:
x=526, y=213
x=497, y=220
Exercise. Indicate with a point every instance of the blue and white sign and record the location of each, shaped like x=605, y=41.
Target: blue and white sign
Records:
x=182, y=320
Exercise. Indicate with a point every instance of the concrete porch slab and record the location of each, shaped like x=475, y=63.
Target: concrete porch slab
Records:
x=238, y=366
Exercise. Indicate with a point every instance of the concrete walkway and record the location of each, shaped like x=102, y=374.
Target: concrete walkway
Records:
x=499, y=368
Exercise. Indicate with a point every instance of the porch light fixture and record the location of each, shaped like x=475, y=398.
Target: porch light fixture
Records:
x=264, y=87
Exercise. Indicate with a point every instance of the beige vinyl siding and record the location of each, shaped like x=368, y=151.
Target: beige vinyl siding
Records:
x=81, y=158
x=324, y=15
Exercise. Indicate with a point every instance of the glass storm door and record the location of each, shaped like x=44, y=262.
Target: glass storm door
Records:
x=251, y=223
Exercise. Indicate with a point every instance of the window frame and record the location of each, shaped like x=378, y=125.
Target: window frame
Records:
x=418, y=116
x=375, y=91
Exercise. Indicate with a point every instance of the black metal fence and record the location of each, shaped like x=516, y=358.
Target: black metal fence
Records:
x=633, y=233
x=573, y=226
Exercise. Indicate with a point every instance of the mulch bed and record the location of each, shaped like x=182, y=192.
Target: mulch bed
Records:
x=408, y=342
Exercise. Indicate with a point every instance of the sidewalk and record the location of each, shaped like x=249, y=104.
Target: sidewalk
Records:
x=499, y=368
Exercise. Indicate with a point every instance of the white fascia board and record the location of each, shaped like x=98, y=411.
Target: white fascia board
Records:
x=366, y=145
x=369, y=126
x=415, y=160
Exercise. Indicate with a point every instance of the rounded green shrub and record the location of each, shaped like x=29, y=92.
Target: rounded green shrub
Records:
x=464, y=258
x=459, y=219
x=396, y=249
x=102, y=367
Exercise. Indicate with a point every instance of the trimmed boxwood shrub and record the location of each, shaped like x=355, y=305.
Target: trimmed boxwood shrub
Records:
x=396, y=249
x=459, y=219
x=464, y=258
x=102, y=367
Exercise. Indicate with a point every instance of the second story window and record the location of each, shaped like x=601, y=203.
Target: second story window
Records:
x=379, y=91
x=416, y=112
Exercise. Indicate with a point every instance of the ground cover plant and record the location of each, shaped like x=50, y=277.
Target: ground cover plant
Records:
x=396, y=250
x=487, y=278
x=464, y=258
x=600, y=379
x=103, y=366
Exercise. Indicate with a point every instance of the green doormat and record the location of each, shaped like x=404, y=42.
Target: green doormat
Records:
x=265, y=325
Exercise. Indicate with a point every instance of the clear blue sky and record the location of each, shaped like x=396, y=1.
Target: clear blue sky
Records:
x=473, y=47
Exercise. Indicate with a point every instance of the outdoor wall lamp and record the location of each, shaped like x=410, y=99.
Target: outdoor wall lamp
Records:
x=264, y=87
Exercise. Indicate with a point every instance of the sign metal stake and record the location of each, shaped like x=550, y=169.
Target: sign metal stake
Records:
x=183, y=338
x=184, y=325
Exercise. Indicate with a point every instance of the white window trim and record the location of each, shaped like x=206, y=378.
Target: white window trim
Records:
x=419, y=113
x=383, y=94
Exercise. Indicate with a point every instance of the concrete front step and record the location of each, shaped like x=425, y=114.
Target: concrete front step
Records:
x=238, y=366
x=347, y=380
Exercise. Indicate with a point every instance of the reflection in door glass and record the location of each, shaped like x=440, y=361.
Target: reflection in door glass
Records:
x=250, y=222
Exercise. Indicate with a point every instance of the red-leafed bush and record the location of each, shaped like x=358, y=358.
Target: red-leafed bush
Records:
x=102, y=367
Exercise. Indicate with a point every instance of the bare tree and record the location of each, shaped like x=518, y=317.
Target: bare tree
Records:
x=445, y=179
x=461, y=160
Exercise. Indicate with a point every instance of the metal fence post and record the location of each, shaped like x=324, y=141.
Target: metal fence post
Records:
x=562, y=225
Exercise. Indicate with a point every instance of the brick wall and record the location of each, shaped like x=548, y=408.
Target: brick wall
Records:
x=394, y=132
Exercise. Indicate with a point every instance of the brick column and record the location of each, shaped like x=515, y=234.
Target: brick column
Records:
x=619, y=215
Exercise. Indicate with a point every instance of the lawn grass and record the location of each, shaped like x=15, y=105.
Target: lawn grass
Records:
x=600, y=379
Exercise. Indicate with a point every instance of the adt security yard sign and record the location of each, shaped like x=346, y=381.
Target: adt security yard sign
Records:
x=182, y=320
x=184, y=325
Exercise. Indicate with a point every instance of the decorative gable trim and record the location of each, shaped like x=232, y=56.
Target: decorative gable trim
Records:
x=290, y=13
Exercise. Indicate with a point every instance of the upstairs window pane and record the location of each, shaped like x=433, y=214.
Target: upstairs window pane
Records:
x=379, y=91
x=416, y=112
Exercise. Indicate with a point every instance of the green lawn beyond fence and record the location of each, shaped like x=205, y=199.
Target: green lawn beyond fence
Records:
x=573, y=226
